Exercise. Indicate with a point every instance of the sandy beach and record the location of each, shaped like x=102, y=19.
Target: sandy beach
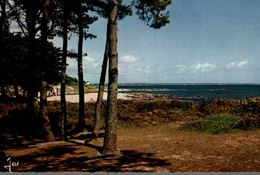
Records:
x=89, y=97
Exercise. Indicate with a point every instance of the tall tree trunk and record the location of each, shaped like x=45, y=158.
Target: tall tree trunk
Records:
x=2, y=21
x=110, y=139
x=45, y=123
x=81, y=123
x=46, y=127
x=31, y=23
x=16, y=91
x=63, y=74
x=30, y=103
x=101, y=88
x=3, y=93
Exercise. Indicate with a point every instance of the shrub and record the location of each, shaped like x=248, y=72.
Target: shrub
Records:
x=142, y=113
x=242, y=107
x=214, y=124
x=248, y=122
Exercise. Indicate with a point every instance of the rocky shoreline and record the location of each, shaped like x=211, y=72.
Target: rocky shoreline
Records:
x=146, y=96
x=92, y=97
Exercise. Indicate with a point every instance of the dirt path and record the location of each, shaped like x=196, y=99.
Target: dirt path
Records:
x=161, y=148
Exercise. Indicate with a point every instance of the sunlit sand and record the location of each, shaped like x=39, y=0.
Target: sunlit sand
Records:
x=89, y=97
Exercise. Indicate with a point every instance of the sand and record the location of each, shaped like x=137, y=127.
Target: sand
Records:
x=89, y=97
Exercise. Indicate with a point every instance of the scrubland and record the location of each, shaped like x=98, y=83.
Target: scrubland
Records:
x=217, y=135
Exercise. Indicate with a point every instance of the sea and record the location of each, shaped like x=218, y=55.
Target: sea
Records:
x=195, y=92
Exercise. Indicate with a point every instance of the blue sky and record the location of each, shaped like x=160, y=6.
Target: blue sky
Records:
x=207, y=41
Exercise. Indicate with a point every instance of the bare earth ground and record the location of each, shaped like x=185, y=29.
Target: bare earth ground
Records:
x=160, y=148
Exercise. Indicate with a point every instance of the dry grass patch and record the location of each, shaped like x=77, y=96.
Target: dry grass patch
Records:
x=191, y=151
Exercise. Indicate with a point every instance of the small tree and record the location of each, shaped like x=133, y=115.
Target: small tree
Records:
x=150, y=12
x=102, y=8
x=82, y=22
x=65, y=24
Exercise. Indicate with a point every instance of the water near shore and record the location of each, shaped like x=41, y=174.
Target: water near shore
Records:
x=195, y=92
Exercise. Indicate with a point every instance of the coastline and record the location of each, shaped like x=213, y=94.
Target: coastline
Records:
x=184, y=92
x=89, y=97
x=92, y=97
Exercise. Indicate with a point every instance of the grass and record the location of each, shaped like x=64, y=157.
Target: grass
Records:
x=149, y=137
x=215, y=124
x=158, y=148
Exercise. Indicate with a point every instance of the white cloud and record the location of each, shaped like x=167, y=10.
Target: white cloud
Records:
x=239, y=65
x=87, y=58
x=72, y=62
x=128, y=59
x=206, y=67
x=199, y=67
x=230, y=66
x=147, y=69
x=91, y=68
x=181, y=68
x=90, y=61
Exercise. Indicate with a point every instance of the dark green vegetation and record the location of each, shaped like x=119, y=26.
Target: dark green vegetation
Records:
x=215, y=116
x=215, y=124
x=14, y=66
x=71, y=80
x=29, y=61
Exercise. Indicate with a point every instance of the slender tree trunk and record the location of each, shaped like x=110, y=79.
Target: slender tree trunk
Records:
x=3, y=93
x=16, y=92
x=30, y=103
x=24, y=92
x=45, y=123
x=63, y=74
x=81, y=123
x=31, y=23
x=46, y=127
x=101, y=88
x=30, y=80
x=110, y=139
x=2, y=20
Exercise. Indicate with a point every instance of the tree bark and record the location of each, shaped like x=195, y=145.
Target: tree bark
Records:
x=110, y=139
x=31, y=23
x=45, y=123
x=81, y=123
x=101, y=88
x=46, y=127
x=63, y=74
x=2, y=19
x=16, y=91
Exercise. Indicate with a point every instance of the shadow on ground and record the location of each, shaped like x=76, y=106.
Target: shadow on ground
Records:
x=35, y=156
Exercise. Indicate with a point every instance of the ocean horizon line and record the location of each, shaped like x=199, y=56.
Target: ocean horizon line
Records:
x=188, y=84
x=182, y=84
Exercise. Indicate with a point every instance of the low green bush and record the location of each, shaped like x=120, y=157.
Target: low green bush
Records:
x=215, y=124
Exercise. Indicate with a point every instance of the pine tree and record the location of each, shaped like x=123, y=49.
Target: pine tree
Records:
x=150, y=12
